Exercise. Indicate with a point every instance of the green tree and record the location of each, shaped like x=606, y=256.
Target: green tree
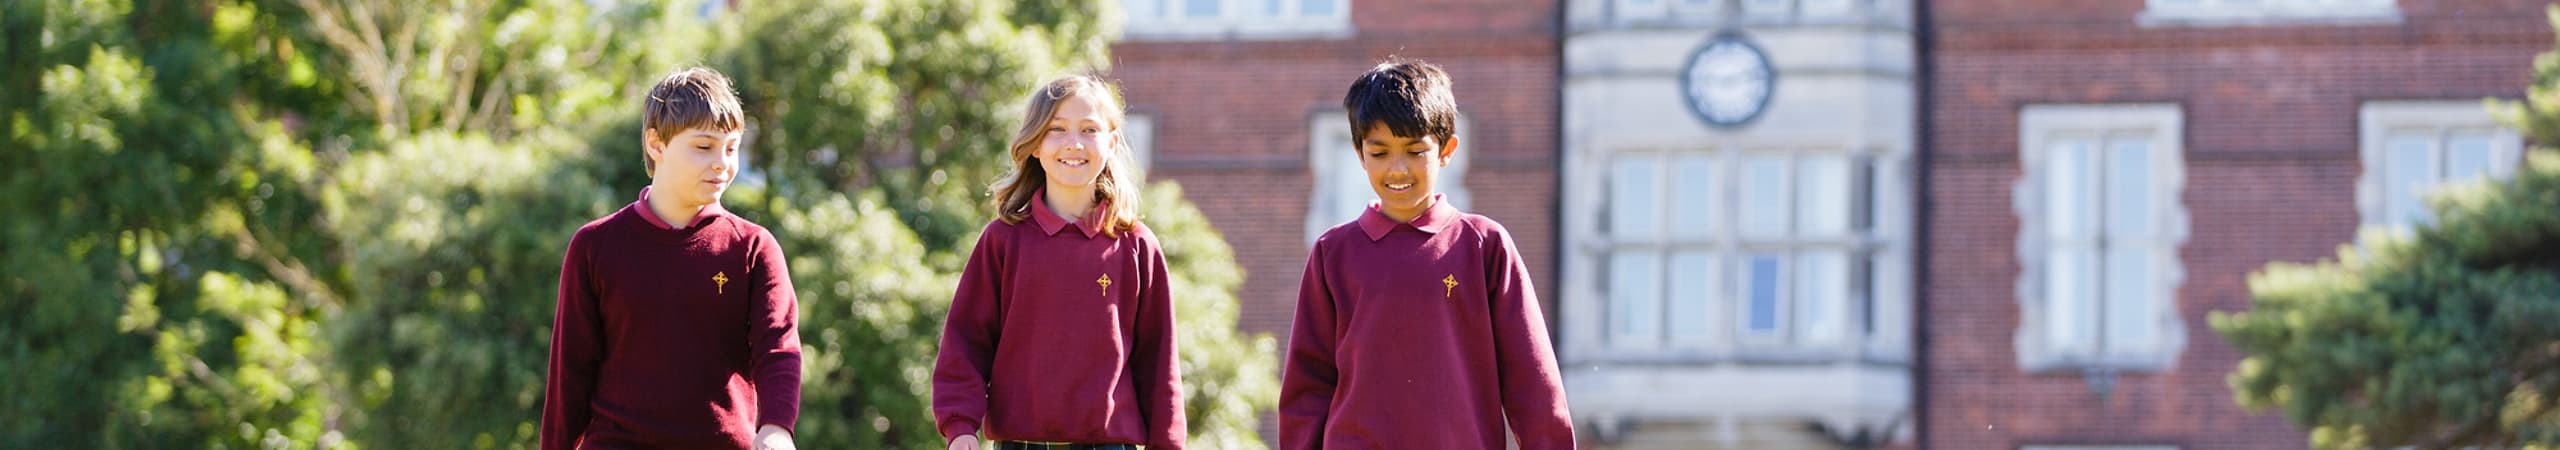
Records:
x=917, y=98
x=2438, y=337
x=138, y=306
x=1231, y=378
x=497, y=137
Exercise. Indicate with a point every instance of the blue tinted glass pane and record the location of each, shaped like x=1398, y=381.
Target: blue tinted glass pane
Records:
x=1763, y=293
x=1317, y=8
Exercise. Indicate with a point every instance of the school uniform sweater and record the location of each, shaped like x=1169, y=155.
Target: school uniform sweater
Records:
x=1058, y=333
x=1424, y=334
x=671, y=338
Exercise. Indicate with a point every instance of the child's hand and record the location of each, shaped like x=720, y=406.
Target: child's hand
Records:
x=964, y=442
x=774, y=438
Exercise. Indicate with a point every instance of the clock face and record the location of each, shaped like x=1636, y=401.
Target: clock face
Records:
x=1728, y=81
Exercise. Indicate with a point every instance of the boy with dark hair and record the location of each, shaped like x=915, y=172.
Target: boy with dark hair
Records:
x=1417, y=326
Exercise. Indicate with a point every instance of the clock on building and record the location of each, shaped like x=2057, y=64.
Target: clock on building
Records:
x=1728, y=81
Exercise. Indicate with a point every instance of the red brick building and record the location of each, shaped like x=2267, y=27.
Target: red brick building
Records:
x=2032, y=205
x=2102, y=174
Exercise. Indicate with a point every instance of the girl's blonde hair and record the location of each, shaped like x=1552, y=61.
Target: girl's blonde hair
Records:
x=1115, y=192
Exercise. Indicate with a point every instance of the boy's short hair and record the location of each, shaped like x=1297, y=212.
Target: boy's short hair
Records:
x=691, y=98
x=1410, y=96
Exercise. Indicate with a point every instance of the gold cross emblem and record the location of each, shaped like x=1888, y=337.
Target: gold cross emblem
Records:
x=1452, y=282
x=721, y=282
x=1105, y=282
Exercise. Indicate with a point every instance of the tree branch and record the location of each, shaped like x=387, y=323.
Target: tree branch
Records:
x=291, y=273
x=364, y=52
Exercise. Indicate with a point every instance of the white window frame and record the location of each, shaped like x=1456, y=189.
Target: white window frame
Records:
x=1749, y=11
x=1766, y=8
x=2039, y=126
x=2268, y=12
x=1656, y=9
x=1330, y=158
x=1236, y=19
x=1867, y=246
x=2376, y=122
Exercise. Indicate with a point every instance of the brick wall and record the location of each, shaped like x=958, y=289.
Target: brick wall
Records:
x=2270, y=116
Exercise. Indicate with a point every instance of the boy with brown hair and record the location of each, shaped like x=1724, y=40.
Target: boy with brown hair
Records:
x=677, y=325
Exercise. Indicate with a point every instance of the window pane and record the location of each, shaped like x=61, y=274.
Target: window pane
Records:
x=1760, y=293
x=2070, y=203
x=1318, y=8
x=1693, y=201
x=1634, y=199
x=1693, y=275
x=1200, y=9
x=2174, y=5
x=2466, y=156
x=2071, y=286
x=1886, y=295
x=1822, y=195
x=1349, y=186
x=2129, y=205
x=2131, y=295
x=2407, y=176
x=1822, y=290
x=1866, y=184
x=1764, y=7
x=1827, y=8
x=1140, y=133
x=1635, y=297
x=1144, y=10
x=1763, y=196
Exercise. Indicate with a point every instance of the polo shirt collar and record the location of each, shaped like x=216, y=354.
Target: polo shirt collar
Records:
x=1051, y=222
x=1434, y=218
x=709, y=212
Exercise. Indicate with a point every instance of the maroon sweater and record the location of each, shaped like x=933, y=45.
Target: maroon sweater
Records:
x=1419, y=335
x=1061, y=337
x=669, y=338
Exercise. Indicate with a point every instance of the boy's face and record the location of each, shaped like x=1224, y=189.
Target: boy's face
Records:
x=1077, y=144
x=695, y=166
x=1402, y=168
